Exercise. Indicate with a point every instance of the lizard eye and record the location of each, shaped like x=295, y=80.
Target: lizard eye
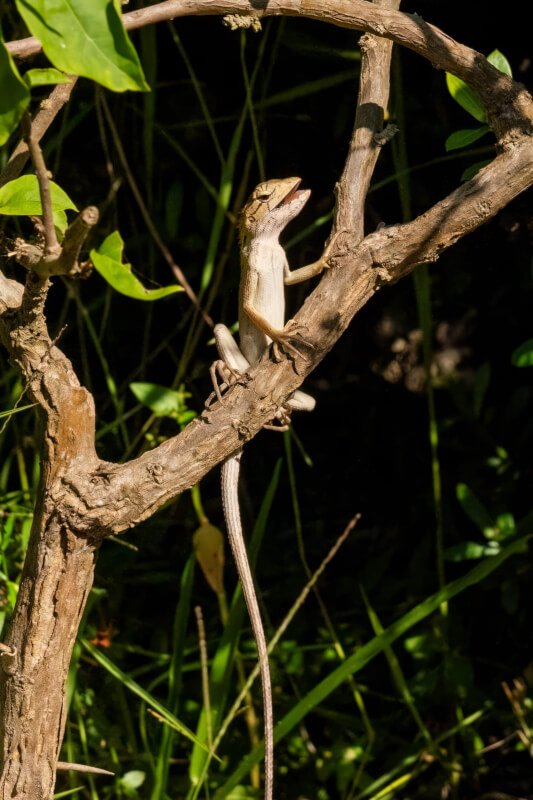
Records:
x=263, y=196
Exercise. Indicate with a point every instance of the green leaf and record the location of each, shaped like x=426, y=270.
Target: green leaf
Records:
x=14, y=96
x=466, y=97
x=366, y=653
x=474, y=508
x=161, y=401
x=86, y=37
x=108, y=263
x=112, y=246
x=464, y=137
x=138, y=690
x=499, y=61
x=45, y=77
x=523, y=355
x=21, y=198
x=179, y=639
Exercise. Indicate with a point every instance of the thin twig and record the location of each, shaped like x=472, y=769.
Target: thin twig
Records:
x=85, y=768
x=52, y=248
x=49, y=109
x=75, y=236
x=409, y=30
x=165, y=252
x=205, y=674
x=298, y=603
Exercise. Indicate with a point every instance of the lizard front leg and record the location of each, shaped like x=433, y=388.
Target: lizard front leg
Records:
x=301, y=274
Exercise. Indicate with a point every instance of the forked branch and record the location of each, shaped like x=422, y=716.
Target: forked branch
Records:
x=134, y=491
x=82, y=498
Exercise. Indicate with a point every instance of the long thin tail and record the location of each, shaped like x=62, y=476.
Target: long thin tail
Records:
x=232, y=515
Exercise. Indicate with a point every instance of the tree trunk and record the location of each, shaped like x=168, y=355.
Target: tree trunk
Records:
x=57, y=578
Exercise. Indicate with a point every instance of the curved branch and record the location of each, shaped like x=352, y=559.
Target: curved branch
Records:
x=135, y=490
x=82, y=499
x=48, y=111
x=409, y=30
x=50, y=380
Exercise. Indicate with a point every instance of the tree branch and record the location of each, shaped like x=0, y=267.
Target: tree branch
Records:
x=52, y=248
x=374, y=84
x=81, y=498
x=116, y=497
x=48, y=111
x=51, y=381
x=136, y=490
x=110, y=498
x=409, y=30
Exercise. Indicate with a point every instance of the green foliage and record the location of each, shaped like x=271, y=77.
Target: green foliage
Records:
x=132, y=686
x=498, y=60
x=14, y=96
x=107, y=260
x=494, y=530
x=468, y=99
x=86, y=37
x=8, y=414
x=131, y=781
x=164, y=402
x=367, y=652
x=465, y=137
x=21, y=198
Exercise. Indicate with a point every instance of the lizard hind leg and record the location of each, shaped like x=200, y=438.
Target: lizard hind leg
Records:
x=230, y=367
x=219, y=369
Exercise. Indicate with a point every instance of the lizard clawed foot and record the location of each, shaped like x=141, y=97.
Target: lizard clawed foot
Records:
x=229, y=376
x=281, y=421
x=328, y=259
x=282, y=344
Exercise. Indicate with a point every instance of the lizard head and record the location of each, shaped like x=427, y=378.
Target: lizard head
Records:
x=272, y=205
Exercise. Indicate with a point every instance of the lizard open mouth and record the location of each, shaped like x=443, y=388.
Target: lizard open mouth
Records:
x=292, y=195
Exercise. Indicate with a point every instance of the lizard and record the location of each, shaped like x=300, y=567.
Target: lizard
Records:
x=264, y=274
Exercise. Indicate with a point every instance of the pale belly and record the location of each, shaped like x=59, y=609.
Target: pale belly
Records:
x=268, y=301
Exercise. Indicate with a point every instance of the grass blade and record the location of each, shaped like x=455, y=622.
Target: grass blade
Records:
x=134, y=688
x=367, y=652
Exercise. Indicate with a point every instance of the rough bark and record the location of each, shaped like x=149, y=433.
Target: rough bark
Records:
x=59, y=565
x=56, y=581
x=82, y=499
